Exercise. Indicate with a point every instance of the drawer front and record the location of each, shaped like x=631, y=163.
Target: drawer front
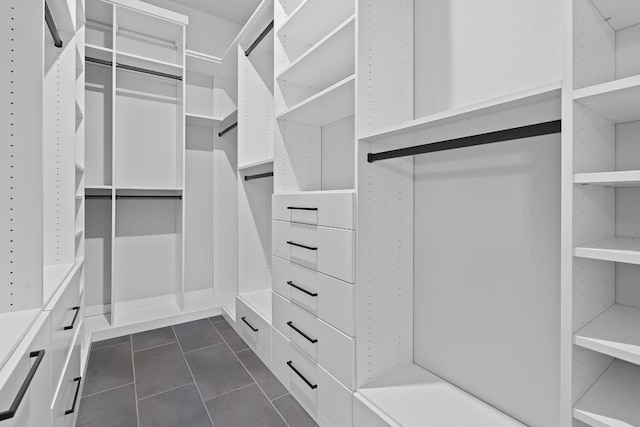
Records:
x=330, y=299
x=66, y=404
x=253, y=328
x=327, y=250
x=335, y=401
x=65, y=320
x=298, y=369
x=328, y=209
x=35, y=407
x=324, y=344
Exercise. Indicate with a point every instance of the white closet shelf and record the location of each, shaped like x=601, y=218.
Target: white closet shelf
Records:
x=79, y=112
x=328, y=106
x=202, y=63
x=78, y=234
x=258, y=163
x=200, y=120
x=151, y=21
x=79, y=168
x=413, y=396
x=502, y=104
x=149, y=63
x=79, y=61
x=619, y=14
x=13, y=327
x=259, y=301
x=52, y=278
x=230, y=118
x=79, y=197
x=617, y=101
x=97, y=187
x=313, y=19
x=617, y=249
x=609, y=179
x=613, y=400
x=615, y=333
x=337, y=49
x=98, y=52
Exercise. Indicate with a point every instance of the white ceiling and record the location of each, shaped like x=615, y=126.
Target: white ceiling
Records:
x=237, y=11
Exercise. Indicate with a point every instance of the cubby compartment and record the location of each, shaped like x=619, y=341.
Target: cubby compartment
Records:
x=98, y=252
x=98, y=125
x=99, y=24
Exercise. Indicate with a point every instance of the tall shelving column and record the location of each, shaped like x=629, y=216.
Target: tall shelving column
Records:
x=602, y=296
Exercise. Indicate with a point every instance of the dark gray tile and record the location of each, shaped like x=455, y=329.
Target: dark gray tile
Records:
x=263, y=376
x=197, y=334
x=178, y=407
x=113, y=408
x=108, y=343
x=230, y=336
x=108, y=368
x=217, y=371
x=160, y=369
x=245, y=407
x=293, y=413
x=153, y=338
x=216, y=319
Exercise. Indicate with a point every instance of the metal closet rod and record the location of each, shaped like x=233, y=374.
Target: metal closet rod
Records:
x=258, y=176
x=262, y=35
x=57, y=41
x=230, y=128
x=97, y=196
x=132, y=68
x=529, y=131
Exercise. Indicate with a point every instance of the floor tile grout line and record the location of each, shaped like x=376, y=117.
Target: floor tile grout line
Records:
x=135, y=386
x=104, y=391
x=193, y=377
x=225, y=340
x=202, y=348
x=151, y=348
x=164, y=391
x=229, y=392
x=107, y=346
x=280, y=397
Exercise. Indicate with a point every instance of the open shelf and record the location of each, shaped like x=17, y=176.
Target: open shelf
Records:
x=412, y=396
x=79, y=168
x=149, y=63
x=312, y=20
x=255, y=164
x=504, y=103
x=98, y=52
x=617, y=101
x=259, y=301
x=200, y=120
x=619, y=14
x=609, y=179
x=328, y=106
x=617, y=249
x=78, y=234
x=615, y=332
x=201, y=63
x=337, y=50
x=613, y=399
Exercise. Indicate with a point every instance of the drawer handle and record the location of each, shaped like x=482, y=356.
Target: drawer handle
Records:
x=292, y=326
x=244, y=319
x=75, y=317
x=312, y=386
x=301, y=246
x=293, y=285
x=75, y=397
x=301, y=209
x=11, y=412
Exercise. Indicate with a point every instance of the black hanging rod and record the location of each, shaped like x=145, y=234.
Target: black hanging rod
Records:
x=174, y=197
x=57, y=41
x=97, y=196
x=98, y=61
x=262, y=35
x=260, y=175
x=229, y=129
x=146, y=71
x=538, y=129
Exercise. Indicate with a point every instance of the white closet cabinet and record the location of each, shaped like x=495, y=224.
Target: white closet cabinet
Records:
x=602, y=297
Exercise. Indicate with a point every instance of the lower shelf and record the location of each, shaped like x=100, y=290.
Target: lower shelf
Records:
x=412, y=396
x=613, y=400
x=259, y=301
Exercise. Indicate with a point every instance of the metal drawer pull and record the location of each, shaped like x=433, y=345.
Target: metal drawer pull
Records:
x=301, y=246
x=244, y=319
x=75, y=317
x=311, y=340
x=11, y=412
x=293, y=285
x=75, y=397
x=301, y=209
x=312, y=386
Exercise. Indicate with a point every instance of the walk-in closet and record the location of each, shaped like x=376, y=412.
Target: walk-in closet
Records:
x=338, y=213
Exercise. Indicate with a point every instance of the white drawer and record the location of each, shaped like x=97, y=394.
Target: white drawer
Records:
x=31, y=355
x=330, y=299
x=324, y=344
x=254, y=329
x=327, y=250
x=312, y=385
x=331, y=209
x=67, y=399
x=65, y=319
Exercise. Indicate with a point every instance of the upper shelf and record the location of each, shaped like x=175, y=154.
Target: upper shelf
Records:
x=617, y=249
x=200, y=120
x=201, y=63
x=151, y=21
x=619, y=14
x=149, y=64
x=609, y=179
x=617, y=101
x=313, y=20
x=259, y=163
x=502, y=104
x=616, y=332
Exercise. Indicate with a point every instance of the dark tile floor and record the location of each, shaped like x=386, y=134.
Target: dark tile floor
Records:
x=193, y=374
